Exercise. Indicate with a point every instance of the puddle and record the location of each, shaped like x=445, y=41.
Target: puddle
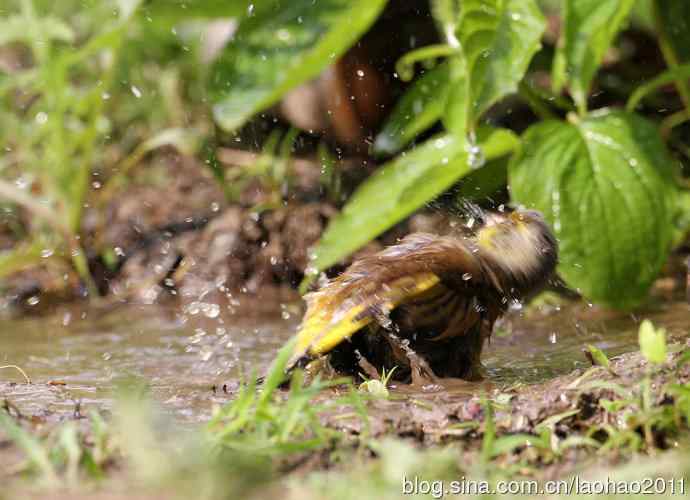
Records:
x=183, y=355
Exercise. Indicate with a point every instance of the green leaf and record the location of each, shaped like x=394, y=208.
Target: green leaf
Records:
x=392, y=193
x=589, y=27
x=492, y=177
x=32, y=447
x=652, y=342
x=498, y=39
x=399, y=188
x=484, y=182
x=281, y=48
x=181, y=10
x=14, y=29
x=606, y=186
x=598, y=356
x=421, y=105
x=507, y=444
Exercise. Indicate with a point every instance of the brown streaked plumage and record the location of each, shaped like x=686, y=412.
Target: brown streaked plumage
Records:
x=438, y=295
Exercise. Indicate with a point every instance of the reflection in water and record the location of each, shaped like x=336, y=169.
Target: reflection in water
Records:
x=183, y=354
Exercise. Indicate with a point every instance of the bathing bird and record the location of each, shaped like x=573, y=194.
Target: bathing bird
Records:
x=428, y=302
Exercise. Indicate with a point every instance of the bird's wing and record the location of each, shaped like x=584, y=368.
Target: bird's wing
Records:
x=372, y=287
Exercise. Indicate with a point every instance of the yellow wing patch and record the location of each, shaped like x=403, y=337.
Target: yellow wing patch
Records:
x=326, y=323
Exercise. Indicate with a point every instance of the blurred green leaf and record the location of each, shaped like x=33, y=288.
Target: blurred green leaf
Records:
x=14, y=29
x=281, y=48
x=24, y=255
x=399, y=188
x=589, y=27
x=421, y=105
x=31, y=446
x=507, y=444
x=498, y=39
x=606, y=187
x=598, y=356
x=652, y=342
x=484, y=182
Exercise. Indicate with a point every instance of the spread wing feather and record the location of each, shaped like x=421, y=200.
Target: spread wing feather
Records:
x=375, y=285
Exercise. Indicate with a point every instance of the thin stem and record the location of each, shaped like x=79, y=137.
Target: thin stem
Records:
x=26, y=377
x=672, y=121
x=405, y=65
x=535, y=102
x=670, y=56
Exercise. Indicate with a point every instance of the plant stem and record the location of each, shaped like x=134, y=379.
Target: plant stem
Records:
x=670, y=56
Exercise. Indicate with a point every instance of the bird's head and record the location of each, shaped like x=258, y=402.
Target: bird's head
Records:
x=518, y=250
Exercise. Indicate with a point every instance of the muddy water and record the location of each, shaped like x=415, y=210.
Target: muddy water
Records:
x=75, y=357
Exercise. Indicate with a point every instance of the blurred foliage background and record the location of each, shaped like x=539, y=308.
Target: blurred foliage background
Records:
x=578, y=108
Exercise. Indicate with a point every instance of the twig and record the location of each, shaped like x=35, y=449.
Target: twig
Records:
x=26, y=377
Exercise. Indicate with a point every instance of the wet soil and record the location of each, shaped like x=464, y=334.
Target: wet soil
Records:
x=194, y=356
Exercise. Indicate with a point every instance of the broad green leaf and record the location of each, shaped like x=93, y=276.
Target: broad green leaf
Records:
x=280, y=48
x=421, y=105
x=484, y=182
x=400, y=187
x=606, y=187
x=652, y=342
x=589, y=27
x=488, y=180
x=498, y=39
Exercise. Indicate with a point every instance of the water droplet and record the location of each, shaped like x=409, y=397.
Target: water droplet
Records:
x=135, y=90
x=440, y=143
x=212, y=310
x=41, y=117
x=552, y=337
x=46, y=252
x=466, y=277
x=360, y=73
x=33, y=300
